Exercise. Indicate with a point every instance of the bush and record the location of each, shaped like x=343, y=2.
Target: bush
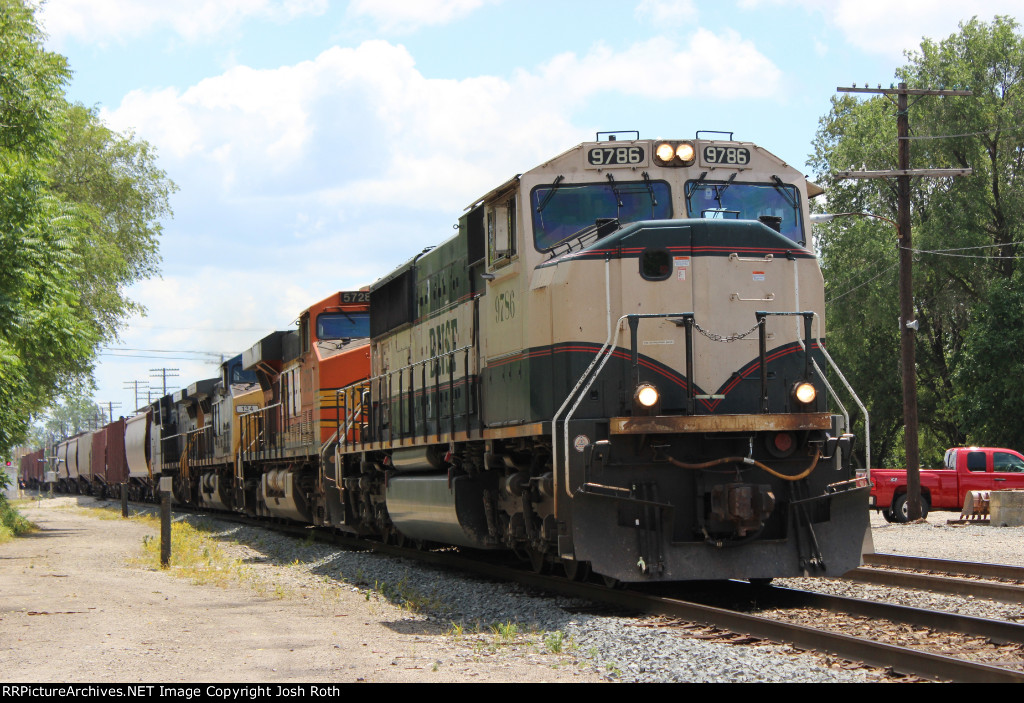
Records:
x=12, y=523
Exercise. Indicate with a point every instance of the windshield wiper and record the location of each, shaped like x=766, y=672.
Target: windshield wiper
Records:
x=650, y=189
x=615, y=190
x=550, y=193
x=694, y=185
x=781, y=187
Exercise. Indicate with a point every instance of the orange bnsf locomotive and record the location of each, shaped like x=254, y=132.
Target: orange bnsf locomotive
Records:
x=615, y=366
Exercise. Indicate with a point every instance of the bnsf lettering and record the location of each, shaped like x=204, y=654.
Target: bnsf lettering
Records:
x=444, y=337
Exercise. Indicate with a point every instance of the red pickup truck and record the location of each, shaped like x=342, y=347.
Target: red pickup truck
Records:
x=964, y=469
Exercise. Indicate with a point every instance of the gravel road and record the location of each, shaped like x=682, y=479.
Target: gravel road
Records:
x=75, y=609
x=79, y=606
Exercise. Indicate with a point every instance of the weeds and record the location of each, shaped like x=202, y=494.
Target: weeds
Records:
x=554, y=642
x=505, y=633
x=194, y=554
x=406, y=597
x=12, y=523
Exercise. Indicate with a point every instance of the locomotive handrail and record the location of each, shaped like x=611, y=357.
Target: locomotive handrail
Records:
x=373, y=386
x=849, y=388
x=568, y=398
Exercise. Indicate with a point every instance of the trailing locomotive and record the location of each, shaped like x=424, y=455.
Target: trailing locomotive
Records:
x=616, y=365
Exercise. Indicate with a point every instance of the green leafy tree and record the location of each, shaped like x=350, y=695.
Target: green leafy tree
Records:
x=964, y=229
x=121, y=195
x=989, y=370
x=79, y=221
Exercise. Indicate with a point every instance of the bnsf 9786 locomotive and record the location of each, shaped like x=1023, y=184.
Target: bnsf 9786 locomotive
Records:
x=615, y=365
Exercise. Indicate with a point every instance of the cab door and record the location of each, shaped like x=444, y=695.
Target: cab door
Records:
x=1007, y=471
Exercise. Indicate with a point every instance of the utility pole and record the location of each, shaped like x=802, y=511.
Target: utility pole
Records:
x=135, y=385
x=165, y=373
x=110, y=409
x=908, y=325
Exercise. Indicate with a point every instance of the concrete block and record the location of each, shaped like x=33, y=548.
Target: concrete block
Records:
x=1006, y=508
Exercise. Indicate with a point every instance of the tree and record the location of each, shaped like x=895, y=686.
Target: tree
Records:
x=79, y=221
x=122, y=196
x=959, y=227
x=74, y=413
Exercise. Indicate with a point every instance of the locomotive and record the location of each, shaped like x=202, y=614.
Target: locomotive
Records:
x=616, y=365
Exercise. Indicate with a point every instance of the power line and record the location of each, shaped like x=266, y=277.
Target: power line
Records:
x=200, y=329
x=168, y=351
x=170, y=358
x=861, y=285
x=998, y=130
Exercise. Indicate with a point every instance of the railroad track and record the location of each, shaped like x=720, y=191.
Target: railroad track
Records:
x=872, y=652
x=959, y=578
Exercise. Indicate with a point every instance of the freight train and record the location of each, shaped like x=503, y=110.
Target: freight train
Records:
x=615, y=366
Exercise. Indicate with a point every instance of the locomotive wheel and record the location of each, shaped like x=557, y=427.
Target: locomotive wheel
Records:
x=611, y=582
x=576, y=570
x=538, y=562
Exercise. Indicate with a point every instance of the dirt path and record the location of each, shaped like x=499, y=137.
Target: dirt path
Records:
x=73, y=609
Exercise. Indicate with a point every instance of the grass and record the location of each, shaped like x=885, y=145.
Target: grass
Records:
x=505, y=633
x=12, y=523
x=194, y=555
x=406, y=597
x=555, y=642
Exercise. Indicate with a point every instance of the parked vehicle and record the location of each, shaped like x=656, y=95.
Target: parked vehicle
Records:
x=964, y=469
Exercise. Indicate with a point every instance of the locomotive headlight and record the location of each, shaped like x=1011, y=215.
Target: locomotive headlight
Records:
x=804, y=393
x=647, y=396
x=665, y=152
x=675, y=153
x=646, y=400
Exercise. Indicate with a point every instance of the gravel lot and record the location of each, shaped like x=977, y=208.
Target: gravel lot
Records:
x=75, y=611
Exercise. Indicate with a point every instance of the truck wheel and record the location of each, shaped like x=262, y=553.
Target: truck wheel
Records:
x=887, y=514
x=900, y=509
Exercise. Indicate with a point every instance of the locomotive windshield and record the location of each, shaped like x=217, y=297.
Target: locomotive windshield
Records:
x=240, y=375
x=562, y=210
x=342, y=325
x=746, y=201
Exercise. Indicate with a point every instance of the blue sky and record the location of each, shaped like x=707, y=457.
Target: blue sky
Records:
x=318, y=144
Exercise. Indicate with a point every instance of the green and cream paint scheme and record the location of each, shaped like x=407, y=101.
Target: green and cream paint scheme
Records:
x=616, y=364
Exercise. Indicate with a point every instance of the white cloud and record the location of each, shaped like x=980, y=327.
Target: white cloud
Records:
x=405, y=16
x=712, y=66
x=889, y=28
x=99, y=21
x=667, y=11
x=356, y=126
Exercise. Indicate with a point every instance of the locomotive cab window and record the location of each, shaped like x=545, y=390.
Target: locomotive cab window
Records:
x=728, y=200
x=655, y=265
x=304, y=332
x=561, y=211
x=342, y=325
x=501, y=233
